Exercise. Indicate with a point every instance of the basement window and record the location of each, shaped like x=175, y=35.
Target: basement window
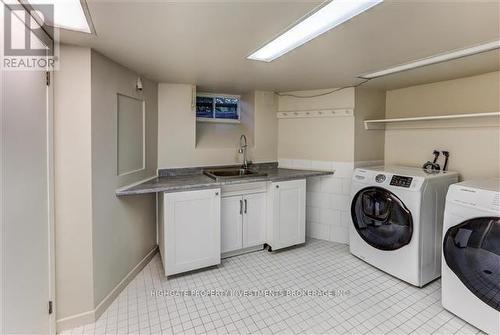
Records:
x=217, y=108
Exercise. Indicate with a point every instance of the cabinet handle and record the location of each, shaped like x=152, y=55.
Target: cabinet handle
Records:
x=241, y=207
x=277, y=186
x=245, y=206
x=216, y=193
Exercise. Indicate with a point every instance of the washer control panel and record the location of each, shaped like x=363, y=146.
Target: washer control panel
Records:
x=401, y=181
x=380, y=178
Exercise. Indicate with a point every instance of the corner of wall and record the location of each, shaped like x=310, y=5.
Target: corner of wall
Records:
x=73, y=192
x=369, y=145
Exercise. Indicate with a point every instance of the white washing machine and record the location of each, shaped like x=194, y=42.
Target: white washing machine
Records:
x=397, y=220
x=471, y=253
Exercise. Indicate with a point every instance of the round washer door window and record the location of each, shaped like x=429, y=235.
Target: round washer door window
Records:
x=381, y=218
x=472, y=251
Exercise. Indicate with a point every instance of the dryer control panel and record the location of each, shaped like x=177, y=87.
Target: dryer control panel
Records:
x=401, y=181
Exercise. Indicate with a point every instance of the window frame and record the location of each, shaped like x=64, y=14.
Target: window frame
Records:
x=214, y=119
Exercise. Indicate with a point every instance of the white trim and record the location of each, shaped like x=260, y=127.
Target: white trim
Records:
x=2, y=197
x=380, y=124
x=92, y=315
x=51, y=203
x=135, y=183
x=319, y=113
x=214, y=120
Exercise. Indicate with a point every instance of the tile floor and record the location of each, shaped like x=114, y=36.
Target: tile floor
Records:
x=364, y=300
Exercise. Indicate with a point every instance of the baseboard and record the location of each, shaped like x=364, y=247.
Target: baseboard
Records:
x=76, y=320
x=91, y=316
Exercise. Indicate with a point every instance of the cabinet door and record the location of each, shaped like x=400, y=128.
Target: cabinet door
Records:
x=254, y=219
x=192, y=230
x=231, y=223
x=289, y=202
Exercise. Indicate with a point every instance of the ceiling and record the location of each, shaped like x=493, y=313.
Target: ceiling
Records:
x=206, y=42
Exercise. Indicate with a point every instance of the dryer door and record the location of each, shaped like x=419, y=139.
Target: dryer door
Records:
x=472, y=251
x=381, y=218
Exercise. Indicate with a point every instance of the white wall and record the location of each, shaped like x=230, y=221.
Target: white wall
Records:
x=474, y=148
x=368, y=145
x=335, y=144
x=177, y=145
x=211, y=135
x=100, y=238
x=123, y=228
x=325, y=139
x=73, y=180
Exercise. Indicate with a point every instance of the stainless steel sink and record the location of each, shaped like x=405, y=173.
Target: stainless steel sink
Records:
x=232, y=173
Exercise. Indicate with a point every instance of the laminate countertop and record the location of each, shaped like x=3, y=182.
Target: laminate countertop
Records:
x=200, y=181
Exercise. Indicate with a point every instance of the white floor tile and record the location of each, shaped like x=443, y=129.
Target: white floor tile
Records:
x=366, y=300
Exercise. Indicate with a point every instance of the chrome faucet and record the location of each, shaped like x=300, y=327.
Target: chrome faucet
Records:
x=243, y=150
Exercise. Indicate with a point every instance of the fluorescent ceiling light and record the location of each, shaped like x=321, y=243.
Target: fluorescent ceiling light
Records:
x=327, y=17
x=435, y=59
x=68, y=14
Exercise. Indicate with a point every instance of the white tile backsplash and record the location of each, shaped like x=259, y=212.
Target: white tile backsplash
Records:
x=346, y=186
x=340, y=202
x=314, y=184
x=318, y=230
x=339, y=234
x=285, y=163
x=322, y=165
x=302, y=164
x=331, y=184
x=328, y=216
x=328, y=197
x=328, y=201
x=313, y=214
x=343, y=169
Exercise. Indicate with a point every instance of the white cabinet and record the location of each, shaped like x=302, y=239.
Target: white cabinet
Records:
x=231, y=223
x=287, y=204
x=254, y=219
x=243, y=221
x=190, y=230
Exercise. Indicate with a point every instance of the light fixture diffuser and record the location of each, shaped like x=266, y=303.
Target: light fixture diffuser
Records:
x=327, y=17
x=68, y=14
x=434, y=59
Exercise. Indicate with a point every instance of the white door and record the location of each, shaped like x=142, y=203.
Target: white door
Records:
x=254, y=219
x=231, y=223
x=192, y=230
x=289, y=204
x=25, y=203
x=26, y=241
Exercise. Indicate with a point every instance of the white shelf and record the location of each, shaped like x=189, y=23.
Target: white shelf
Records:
x=316, y=113
x=380, y=124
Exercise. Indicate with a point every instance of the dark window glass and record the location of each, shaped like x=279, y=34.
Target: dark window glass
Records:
x=217, y=107
x=381, y=218
x=205, y=107
x=226, y=108
x=472, y=251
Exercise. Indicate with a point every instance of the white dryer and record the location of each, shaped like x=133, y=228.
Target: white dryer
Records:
x=397, y=215
x=471, y=253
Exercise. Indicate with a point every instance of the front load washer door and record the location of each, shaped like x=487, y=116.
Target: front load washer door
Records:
x=381, y=218
x=472, y=251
